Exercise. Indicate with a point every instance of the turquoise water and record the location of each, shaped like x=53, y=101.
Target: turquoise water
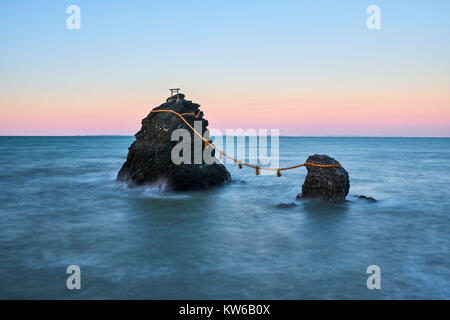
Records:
x=60, y=205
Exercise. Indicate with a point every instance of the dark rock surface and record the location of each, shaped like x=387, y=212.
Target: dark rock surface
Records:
x=286, y=205
x=368, y=199
x=149, y=157
x=175, y=97
x=327, y=184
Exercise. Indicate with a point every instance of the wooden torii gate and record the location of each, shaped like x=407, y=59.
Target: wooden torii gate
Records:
x=174, y=91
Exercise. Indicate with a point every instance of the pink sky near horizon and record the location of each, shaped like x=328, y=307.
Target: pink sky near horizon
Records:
x=309, y=114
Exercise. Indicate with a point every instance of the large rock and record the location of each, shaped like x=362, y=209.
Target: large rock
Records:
x=327, y=184
x=149, y=157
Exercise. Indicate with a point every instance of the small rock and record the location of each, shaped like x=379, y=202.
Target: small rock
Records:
x=286, y=205
x=327, y=184
x=368, y=199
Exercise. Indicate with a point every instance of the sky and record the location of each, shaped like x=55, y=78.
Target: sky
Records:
x=307, y=68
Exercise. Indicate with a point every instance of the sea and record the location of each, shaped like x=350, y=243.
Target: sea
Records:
x=61, y=206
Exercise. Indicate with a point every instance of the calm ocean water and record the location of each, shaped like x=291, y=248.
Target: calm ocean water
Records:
x=60, y=205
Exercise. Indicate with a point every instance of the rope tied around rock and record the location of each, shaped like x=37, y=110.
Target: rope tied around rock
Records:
x=239, y=162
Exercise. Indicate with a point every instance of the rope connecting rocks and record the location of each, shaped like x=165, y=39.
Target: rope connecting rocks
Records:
x=239, y=162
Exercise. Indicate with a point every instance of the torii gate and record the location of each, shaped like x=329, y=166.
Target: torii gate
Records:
x=174, y=91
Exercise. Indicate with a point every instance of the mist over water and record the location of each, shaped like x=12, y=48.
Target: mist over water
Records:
x=60, y=205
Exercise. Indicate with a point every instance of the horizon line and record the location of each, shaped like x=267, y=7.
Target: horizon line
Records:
x=281, y=136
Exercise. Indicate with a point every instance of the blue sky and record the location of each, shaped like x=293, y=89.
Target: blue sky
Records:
x=229, y=54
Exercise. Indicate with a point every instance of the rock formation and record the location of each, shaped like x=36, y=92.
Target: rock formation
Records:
x=327, y=184
x=286, y=205
x=368, y=199
x=149, y=157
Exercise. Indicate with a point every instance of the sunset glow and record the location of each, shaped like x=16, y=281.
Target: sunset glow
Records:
x=308, y=72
